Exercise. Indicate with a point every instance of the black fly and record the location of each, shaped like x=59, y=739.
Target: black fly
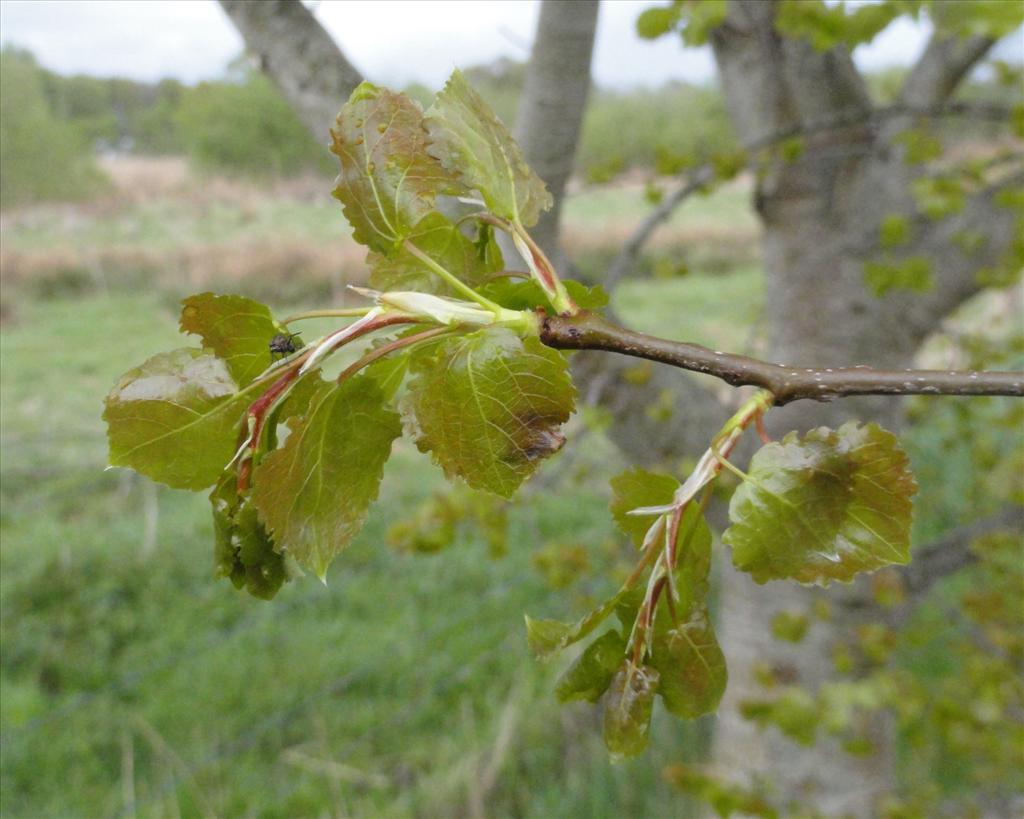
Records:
x=283, y=344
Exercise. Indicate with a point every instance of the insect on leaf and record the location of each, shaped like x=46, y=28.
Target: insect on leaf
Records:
x=388, y=181
x=235, y=328
x=488, y=407
x=175, y=418
x=314, y=492
x=469, y=140
x=823, y=507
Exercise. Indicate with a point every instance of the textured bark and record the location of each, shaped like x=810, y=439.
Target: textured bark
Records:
x=548, y=125
x=298, y=55
x=945, y=62
x=821, y=216
x=554, y=98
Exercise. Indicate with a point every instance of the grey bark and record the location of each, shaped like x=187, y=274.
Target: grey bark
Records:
x=820, y=216
x=554, y=98
x=548, y=125
x=945, y=62
x=299, y=56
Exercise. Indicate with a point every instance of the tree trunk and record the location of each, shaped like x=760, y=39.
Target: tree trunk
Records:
x=554, y=98
x=821, y=216
x=299, y=56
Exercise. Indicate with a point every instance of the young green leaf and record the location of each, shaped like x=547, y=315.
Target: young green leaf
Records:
x=243, y=551
x=470, y=141
x=691, y=664
x=314, y=492
x=634, y=488
x=488, y=407
x=235, y=328
x=627, y=709
x=546, y=637
x=388, y=181
x=654, y=22
x=591, y=673
x=685, y=651
x=528, y=295
x=175, y=418
x=823, y=507
x=693, y=562
x=443, y=242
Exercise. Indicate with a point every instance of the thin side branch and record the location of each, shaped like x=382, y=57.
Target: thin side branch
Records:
x=589, y=331
x=952, y=551
x=627, y=256
x=699, y=178
x=944, y=63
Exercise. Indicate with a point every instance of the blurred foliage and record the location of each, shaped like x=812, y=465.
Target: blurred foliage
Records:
x=666, y=130
x=42, y=158
x=247, y=128
x=241, y=125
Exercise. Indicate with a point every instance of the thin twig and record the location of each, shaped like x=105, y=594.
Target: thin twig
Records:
x=952, y=551
x=624, y=260
x=589, y=331
x=698, y=178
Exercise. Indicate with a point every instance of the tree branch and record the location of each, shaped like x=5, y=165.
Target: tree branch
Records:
x=554, y=98
x=589, y=331
x=298, y=55
x=952, y=551
x=697, y=178
x=945, y=61
x=631, y=249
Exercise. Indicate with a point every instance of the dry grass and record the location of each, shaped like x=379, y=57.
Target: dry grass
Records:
x=162, y=225
x=108, y=243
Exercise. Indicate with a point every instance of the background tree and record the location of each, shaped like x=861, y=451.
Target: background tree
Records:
x=853, y=181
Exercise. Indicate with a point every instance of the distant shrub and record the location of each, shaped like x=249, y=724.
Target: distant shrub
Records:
x=247, y=128
x=41, y=157
x=664, y=129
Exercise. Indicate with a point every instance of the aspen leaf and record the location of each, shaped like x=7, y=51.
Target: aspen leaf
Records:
x=437, y=237
x=314, y=492
x=175, y=418
x=489, y=405
x=685, y=651
x=591, y=673
x=634, y=488
x=627, y=709
x=470, y=141
x=237, y=330
x=388, y=181
x=528, y=295
x=546, y=637
x=243, y=551
x=822, y=507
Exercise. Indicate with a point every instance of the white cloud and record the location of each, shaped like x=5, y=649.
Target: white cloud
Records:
x=391, y=42
x=143, y=40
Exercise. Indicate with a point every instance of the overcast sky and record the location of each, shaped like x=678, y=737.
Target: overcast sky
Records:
x=390, y=41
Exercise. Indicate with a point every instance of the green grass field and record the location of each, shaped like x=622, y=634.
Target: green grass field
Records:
x=135, y=684
x=388, y=692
